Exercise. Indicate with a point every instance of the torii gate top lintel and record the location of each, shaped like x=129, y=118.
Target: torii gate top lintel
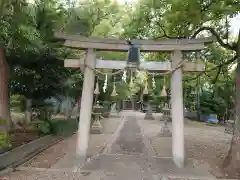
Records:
x=108, y=44
x=111, y=44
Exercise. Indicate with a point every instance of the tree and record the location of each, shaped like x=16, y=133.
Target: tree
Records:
x=36, y=69
x=15, y=35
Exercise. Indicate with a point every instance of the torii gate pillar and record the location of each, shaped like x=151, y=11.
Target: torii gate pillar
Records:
x=86, y=104
x=177, y=111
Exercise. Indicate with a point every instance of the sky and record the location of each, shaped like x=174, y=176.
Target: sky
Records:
x=235, y=25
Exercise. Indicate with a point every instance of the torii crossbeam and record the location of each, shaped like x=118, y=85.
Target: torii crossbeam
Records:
x=175, y=47
x=118, y=64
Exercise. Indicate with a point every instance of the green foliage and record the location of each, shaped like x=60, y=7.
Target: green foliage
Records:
x=4, y=140
x=4, y=137
x=44, y=127
x=58, y=127
x=64, y=127
x=17, y=102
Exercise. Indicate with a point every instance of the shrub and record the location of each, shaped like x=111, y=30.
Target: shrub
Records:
x=64, y=127
x=44, y=127
x=4, y=138
x=57, y=127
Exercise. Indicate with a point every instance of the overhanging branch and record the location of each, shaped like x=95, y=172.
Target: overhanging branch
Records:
x=204, y=28
x=214, y=33
x=214, y=68
x=216, y=77
x=166, y=35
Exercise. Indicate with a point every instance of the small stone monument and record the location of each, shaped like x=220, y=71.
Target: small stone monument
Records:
x=165, y=131
x=96, y=126
x=113, y=111
x=149, y=115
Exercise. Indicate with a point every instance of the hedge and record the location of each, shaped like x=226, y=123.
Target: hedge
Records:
x=64, y=127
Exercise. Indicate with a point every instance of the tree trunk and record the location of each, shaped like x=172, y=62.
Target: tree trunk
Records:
x=28, y=113
x=232, y=162
x=68, y=107
x=79, y=103
x=4, y=108
x=133, y=103
x=4, y=104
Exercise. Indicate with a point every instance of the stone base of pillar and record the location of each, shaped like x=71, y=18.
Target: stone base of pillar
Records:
x=96, y=127
x=114, y=114
x=148, y=116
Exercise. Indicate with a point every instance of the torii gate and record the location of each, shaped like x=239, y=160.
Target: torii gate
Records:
x=175, y=47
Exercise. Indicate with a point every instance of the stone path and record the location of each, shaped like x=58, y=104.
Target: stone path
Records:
x=129, y=140
x=129, y=156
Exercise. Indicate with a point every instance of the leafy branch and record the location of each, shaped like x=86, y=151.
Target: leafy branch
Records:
x=165, y=35
x=214, y=33
x=219, y=67
x=219, y=40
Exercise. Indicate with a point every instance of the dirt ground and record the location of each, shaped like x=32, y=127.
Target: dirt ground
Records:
x=49, y=157
x=18, y=138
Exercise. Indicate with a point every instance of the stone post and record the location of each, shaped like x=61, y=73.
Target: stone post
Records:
x=86, y=104
x=165, y=131
x=96, y=126
x=149, y=114
x=177, y=111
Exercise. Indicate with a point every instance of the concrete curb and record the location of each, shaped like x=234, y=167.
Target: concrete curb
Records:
x=19, y=156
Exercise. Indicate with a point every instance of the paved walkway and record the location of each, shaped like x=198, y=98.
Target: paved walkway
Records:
x=128, y=155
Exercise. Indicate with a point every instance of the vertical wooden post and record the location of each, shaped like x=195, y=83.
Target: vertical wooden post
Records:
x=177, y=111
x=86, y=104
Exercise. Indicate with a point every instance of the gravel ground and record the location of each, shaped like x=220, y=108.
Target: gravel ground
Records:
x=208, y=145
